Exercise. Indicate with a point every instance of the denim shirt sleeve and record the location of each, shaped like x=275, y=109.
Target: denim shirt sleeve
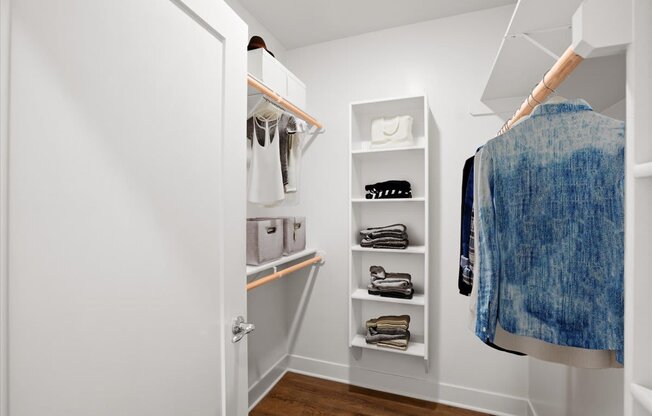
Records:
x=487, y=276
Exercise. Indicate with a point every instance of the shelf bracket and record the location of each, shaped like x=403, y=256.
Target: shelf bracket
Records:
x=322, y=255
x=530, y=39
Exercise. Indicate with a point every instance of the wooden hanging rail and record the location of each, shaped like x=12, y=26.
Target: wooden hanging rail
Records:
x=552, y=79
x=254, y=83
x=278, y=275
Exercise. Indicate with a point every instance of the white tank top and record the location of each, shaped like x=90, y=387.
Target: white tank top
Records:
x=265, y=176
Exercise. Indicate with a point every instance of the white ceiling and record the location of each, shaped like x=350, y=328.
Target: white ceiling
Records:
x=297, y=23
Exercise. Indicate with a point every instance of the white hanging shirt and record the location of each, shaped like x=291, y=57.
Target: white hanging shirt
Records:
x=265, y=176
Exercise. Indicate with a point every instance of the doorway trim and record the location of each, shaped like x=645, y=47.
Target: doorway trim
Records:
x=5, y=24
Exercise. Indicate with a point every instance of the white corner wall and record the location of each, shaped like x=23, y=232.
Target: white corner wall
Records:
x=449, y=60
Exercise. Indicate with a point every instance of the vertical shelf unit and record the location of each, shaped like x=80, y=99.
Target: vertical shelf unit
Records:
x=369, y=165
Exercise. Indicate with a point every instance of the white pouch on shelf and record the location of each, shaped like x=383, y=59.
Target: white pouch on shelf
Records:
x=392, y=131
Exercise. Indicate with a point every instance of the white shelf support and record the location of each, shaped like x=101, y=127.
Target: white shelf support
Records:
x=538, y=45
x=602, y=27
x=644, y=170
x=642, y=395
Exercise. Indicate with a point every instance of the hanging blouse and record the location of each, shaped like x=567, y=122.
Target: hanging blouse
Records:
x=287, y=127
x=265, y=176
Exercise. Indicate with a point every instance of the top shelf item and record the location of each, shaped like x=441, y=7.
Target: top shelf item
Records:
x=397, y=113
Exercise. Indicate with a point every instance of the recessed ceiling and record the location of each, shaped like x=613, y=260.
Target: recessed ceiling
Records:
x=297, y=23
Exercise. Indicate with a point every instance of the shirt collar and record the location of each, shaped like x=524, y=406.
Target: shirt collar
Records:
x=567, y=106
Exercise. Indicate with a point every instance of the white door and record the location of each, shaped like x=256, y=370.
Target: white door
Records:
x=123, y=208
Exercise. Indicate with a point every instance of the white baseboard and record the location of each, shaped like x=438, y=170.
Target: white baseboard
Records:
x=260, y=388
x=459, y=396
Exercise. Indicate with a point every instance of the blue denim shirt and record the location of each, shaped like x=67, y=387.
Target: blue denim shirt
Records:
x=551, y=229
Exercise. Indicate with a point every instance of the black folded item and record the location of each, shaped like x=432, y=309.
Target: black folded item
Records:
x=392, y=236
x=388, y=330
x=393, y=230
x=391, y=293
x=378, y=272
x=389, y=190
x=391, y=243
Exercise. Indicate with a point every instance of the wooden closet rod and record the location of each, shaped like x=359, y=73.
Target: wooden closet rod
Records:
x=278, y=275
x=549, y=83
x=254, y=83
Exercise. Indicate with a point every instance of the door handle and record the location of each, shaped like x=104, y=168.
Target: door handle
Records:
x=240, y=328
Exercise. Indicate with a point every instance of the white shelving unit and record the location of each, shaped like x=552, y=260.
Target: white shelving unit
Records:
x=367, y=166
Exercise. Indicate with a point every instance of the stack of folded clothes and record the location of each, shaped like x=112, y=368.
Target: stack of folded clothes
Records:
x=390, y=285
x=389, y=332
x=389, y=236
x=389, y=190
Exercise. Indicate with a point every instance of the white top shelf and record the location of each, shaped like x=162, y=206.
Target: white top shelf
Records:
x=520, y=65
x=418, y=349
x=252, y=270
x=408, y=250
x=362, y=294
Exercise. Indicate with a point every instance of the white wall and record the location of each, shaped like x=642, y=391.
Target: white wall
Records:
x=557, y=390
x=448, y=59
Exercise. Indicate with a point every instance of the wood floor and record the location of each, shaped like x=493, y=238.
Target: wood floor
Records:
x=297, y=394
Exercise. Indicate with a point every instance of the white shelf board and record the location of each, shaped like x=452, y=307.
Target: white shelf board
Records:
x=643, y=170
x=387, y=149
x=642, y=395
x=395, y=200
x=409, y=250
x=251, y=270
x=520, y=65
x=417, y=349
x=362, y=294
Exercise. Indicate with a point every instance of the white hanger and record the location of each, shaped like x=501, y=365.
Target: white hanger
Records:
x=266, y=109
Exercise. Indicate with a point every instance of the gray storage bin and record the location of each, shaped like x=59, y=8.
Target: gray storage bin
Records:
x=264, y=240
x=294, y=239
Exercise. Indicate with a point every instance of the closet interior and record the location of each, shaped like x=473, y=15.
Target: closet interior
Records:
x=554, y=52
x=232, y=207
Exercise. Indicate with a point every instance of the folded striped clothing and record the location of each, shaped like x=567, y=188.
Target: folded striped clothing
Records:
x=389, y=321
x=378, y=272
x=389, y=190
x=389, y=331
x=397, y=344
x=386, y=242
x=393, y=285
x=394, y=230
x=391, y=236
x=373, y=338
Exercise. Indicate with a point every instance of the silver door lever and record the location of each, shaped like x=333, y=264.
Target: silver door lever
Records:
x=240, y=328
